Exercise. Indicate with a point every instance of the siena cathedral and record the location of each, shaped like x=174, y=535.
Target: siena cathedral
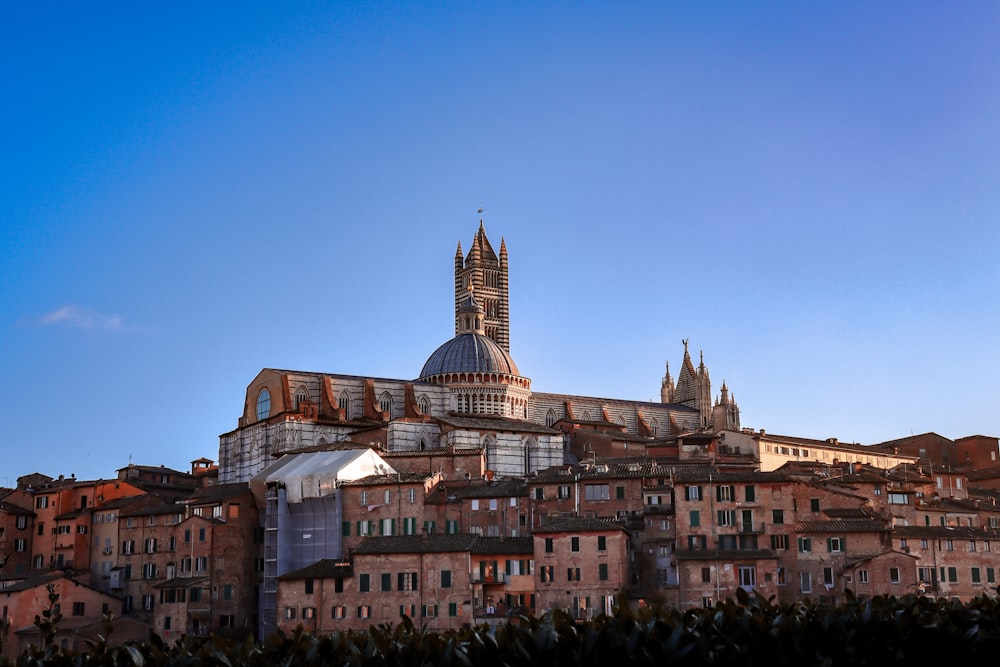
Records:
x=470, y=403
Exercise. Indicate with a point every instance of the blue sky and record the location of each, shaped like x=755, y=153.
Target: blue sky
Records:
x=190, y=192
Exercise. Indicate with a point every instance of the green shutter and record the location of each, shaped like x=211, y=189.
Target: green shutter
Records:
x=346, y=529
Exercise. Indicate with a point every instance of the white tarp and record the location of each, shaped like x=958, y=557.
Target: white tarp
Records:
x=315, y=474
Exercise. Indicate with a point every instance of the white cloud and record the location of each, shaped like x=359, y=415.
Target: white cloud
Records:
x=83, y=319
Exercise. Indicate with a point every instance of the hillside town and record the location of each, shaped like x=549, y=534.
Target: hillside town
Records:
x=464, y=496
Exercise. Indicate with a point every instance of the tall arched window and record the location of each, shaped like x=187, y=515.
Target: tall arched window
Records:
x=550, y=417
x=653, y=427
x=344, y=403
x=300, y=397
x=424, y=405
x=263, y=404
x=385, y=403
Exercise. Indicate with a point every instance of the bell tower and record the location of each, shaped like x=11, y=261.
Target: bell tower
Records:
x=486, y=274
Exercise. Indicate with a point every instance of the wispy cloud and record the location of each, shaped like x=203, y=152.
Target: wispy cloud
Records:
x=81, y=318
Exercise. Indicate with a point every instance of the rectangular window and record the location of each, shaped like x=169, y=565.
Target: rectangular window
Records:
x=748, y=576
x=364, y=583
x=549, y=545
x=201, y=564
x=805, y=582
x=976, y=576
x=430, y=610
x=453, y=609
x=862, y=576
x=779, y=542
x=602, y=571
x=990, y=575
x=778, y=516
x=572, y=574
x=893, y=575
x=451, y=526
x=620, y=492
x=308, y=612
x=363, y=498
x=695, y=518
x=692, y=492
x=696, y=542
x=445, y=578
x=952, y=575
x=563, y=493
x=78, y=609
x=406, y=581
x=546, y=573
x=597, y=492
x=539, y=493
x=805, y=544
x=602, y=543
x=727, y=517
x=751, y=493
x=706, y=575
x=972, y=545
x=386, y=582
x=574, y=544
x=364, y=611
x=828, y=576
x=338, y=613
x=309, y=586
x=814, y=504
x=835, y=544
x=724, y=493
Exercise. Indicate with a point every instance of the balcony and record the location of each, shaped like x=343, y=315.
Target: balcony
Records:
x=751, y=527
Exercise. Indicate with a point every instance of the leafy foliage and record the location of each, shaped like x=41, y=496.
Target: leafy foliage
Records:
x=749, y=630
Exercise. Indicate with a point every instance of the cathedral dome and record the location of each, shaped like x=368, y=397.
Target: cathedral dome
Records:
x=469, y=353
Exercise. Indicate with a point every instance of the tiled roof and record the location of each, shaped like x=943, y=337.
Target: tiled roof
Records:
x=396, y=478
x=609, y=402
x=841, y=526
x=496, y=423
x=504, y=545
x=11, y=508
x=577, y=524
x=946, y=532
x=415, y=544
x=728, y=555
x=148, y=504
x=218, y=492
x=690, y=474
x=847, y=513
x=510, y=488
x=326, y=568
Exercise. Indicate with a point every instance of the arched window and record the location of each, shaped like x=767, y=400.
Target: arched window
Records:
x=653, y=427
x=385, y=403
x=424, y=405
x=263, y=404
x=300, y=397
x=344, y=403
x=621, y=420
x=586, y=416
x=550, y=417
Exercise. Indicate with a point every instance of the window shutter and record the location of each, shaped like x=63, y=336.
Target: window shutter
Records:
x=414, y=581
